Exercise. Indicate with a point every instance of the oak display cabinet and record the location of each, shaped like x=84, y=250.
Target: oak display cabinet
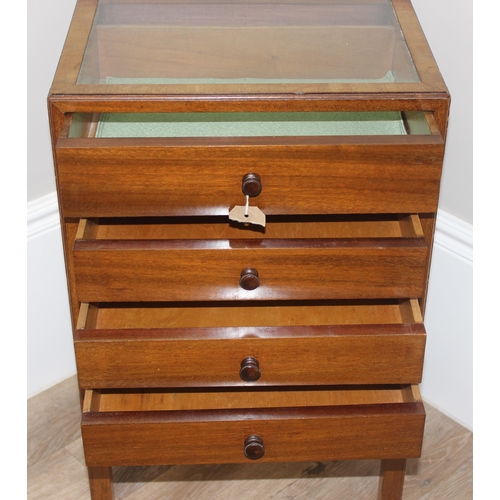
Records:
x=293, y=330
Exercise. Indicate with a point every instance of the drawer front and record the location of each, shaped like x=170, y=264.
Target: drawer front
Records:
x=156, y=270
x=374, y=431
x=251, y=356
x=256, y=345
x=155, y=177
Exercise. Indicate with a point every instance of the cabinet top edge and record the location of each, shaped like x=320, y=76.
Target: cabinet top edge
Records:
x=72, y=76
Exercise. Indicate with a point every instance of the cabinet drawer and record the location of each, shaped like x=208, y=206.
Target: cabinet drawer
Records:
x=303, y=174
x=117, y=261
x=161, y=427
x=195, y=345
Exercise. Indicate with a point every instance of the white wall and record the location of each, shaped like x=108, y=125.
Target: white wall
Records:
x=447, y=381
x=447, y=378
x=50, y=350
x=448, y=27
x=50, y=342
x=48, y=22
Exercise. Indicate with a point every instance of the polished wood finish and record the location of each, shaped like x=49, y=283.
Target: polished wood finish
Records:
x=126, y=347
x=235, y=52
x=324, y=433
x=249, y=279
x=155, y=358
x=251, y=184
x=392, y=475
x=56, y=465
x=100, y=480
x=254, y=447
x=257, y=314
x=250, y=369
x=277, y=227
x=285, y=268
x=108, y=271
x=177, y=362
x=66, y=75
x=147, y=400
x=386, y=174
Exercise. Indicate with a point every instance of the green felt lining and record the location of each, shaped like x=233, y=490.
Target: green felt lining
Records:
x=387, y=78
x=249, y=124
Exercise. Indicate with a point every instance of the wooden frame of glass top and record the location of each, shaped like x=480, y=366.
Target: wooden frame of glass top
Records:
x=65, y=81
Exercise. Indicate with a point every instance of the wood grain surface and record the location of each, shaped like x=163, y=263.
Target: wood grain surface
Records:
x=164, y=270
x=141, y=177
x=277, y=227
x=71, y=60
x=199, y=315
x=100, y=480
x=204, y=346
x=341, y=355
x=56, y=466
x=228, y=52
x=329, y=433
x=392, y=476
x=202, y=177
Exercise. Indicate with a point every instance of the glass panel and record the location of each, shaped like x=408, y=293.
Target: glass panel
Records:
x=226, y=41
x=248, y=124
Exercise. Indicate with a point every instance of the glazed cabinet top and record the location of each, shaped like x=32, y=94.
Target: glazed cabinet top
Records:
x=254, y=47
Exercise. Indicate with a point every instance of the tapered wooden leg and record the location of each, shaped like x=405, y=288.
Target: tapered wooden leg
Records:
x=101, y=483
x=392, y=477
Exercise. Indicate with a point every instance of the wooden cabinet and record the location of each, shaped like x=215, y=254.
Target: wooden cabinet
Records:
x=202, y=339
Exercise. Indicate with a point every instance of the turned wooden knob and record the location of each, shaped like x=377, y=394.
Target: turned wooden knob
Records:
x=251, y=185
x=254, y=447
x=250, y=371
x=249, y=278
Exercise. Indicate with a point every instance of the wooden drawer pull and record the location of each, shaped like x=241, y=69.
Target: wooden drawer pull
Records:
x=249, y=278
x=251, y=185
x=254, y=447
x=250, y=371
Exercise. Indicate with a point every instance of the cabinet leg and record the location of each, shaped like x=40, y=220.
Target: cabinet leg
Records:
x=101, y=483
x=392, y=477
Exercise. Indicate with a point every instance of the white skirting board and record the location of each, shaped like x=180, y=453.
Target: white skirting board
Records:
x=50, y=346
x=447, y=381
